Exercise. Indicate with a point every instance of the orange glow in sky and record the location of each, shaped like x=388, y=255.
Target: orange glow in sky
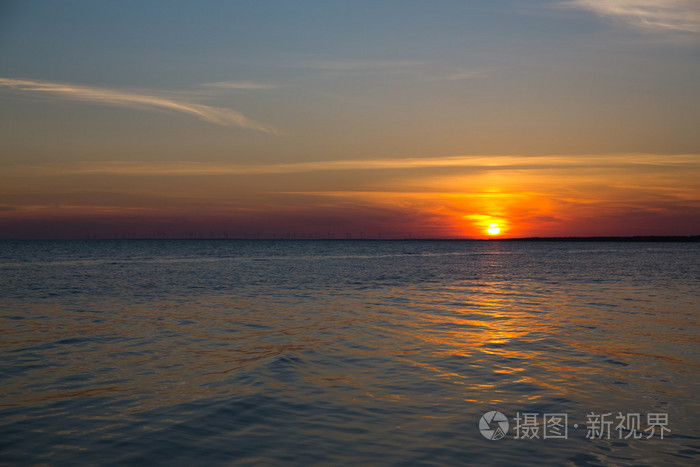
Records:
x=400, y=198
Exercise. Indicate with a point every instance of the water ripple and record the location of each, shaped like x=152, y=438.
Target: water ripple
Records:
x=342, y=352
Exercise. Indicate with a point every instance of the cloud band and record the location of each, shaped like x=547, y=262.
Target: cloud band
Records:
x=106, y=96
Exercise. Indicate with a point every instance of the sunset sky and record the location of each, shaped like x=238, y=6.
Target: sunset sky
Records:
x=373, y=119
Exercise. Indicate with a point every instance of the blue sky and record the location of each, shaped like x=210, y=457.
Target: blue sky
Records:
x=497, y=66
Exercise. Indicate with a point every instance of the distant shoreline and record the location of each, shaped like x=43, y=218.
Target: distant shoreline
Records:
x=638, y=238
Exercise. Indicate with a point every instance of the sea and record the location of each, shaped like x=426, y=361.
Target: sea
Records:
x=360, y=352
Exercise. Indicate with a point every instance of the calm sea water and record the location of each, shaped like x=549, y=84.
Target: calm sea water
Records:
x=358, y=352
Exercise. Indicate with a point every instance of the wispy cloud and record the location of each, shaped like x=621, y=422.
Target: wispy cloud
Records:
x=458, y=74
x=368, y=66
x=240, y=85
x=107, y=96
x=412, y=69
x=650, y=161
x=664, y=15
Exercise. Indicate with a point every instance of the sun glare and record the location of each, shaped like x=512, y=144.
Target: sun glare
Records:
x=493, y=229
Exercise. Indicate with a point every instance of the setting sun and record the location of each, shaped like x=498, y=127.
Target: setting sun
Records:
x=493, y=229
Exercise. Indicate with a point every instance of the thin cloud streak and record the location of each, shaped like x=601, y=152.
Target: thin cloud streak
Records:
x=216, y=115
x=240, y=85
x=662, y=15
x=368, y=66
x=411, y=69
x=474, y=162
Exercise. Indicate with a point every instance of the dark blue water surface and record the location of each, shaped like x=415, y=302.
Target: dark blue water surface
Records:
x=346, y=352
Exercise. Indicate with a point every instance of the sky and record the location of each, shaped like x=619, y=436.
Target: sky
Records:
x=349, y=119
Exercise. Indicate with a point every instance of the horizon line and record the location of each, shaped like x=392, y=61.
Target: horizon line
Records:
x=612, y=238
